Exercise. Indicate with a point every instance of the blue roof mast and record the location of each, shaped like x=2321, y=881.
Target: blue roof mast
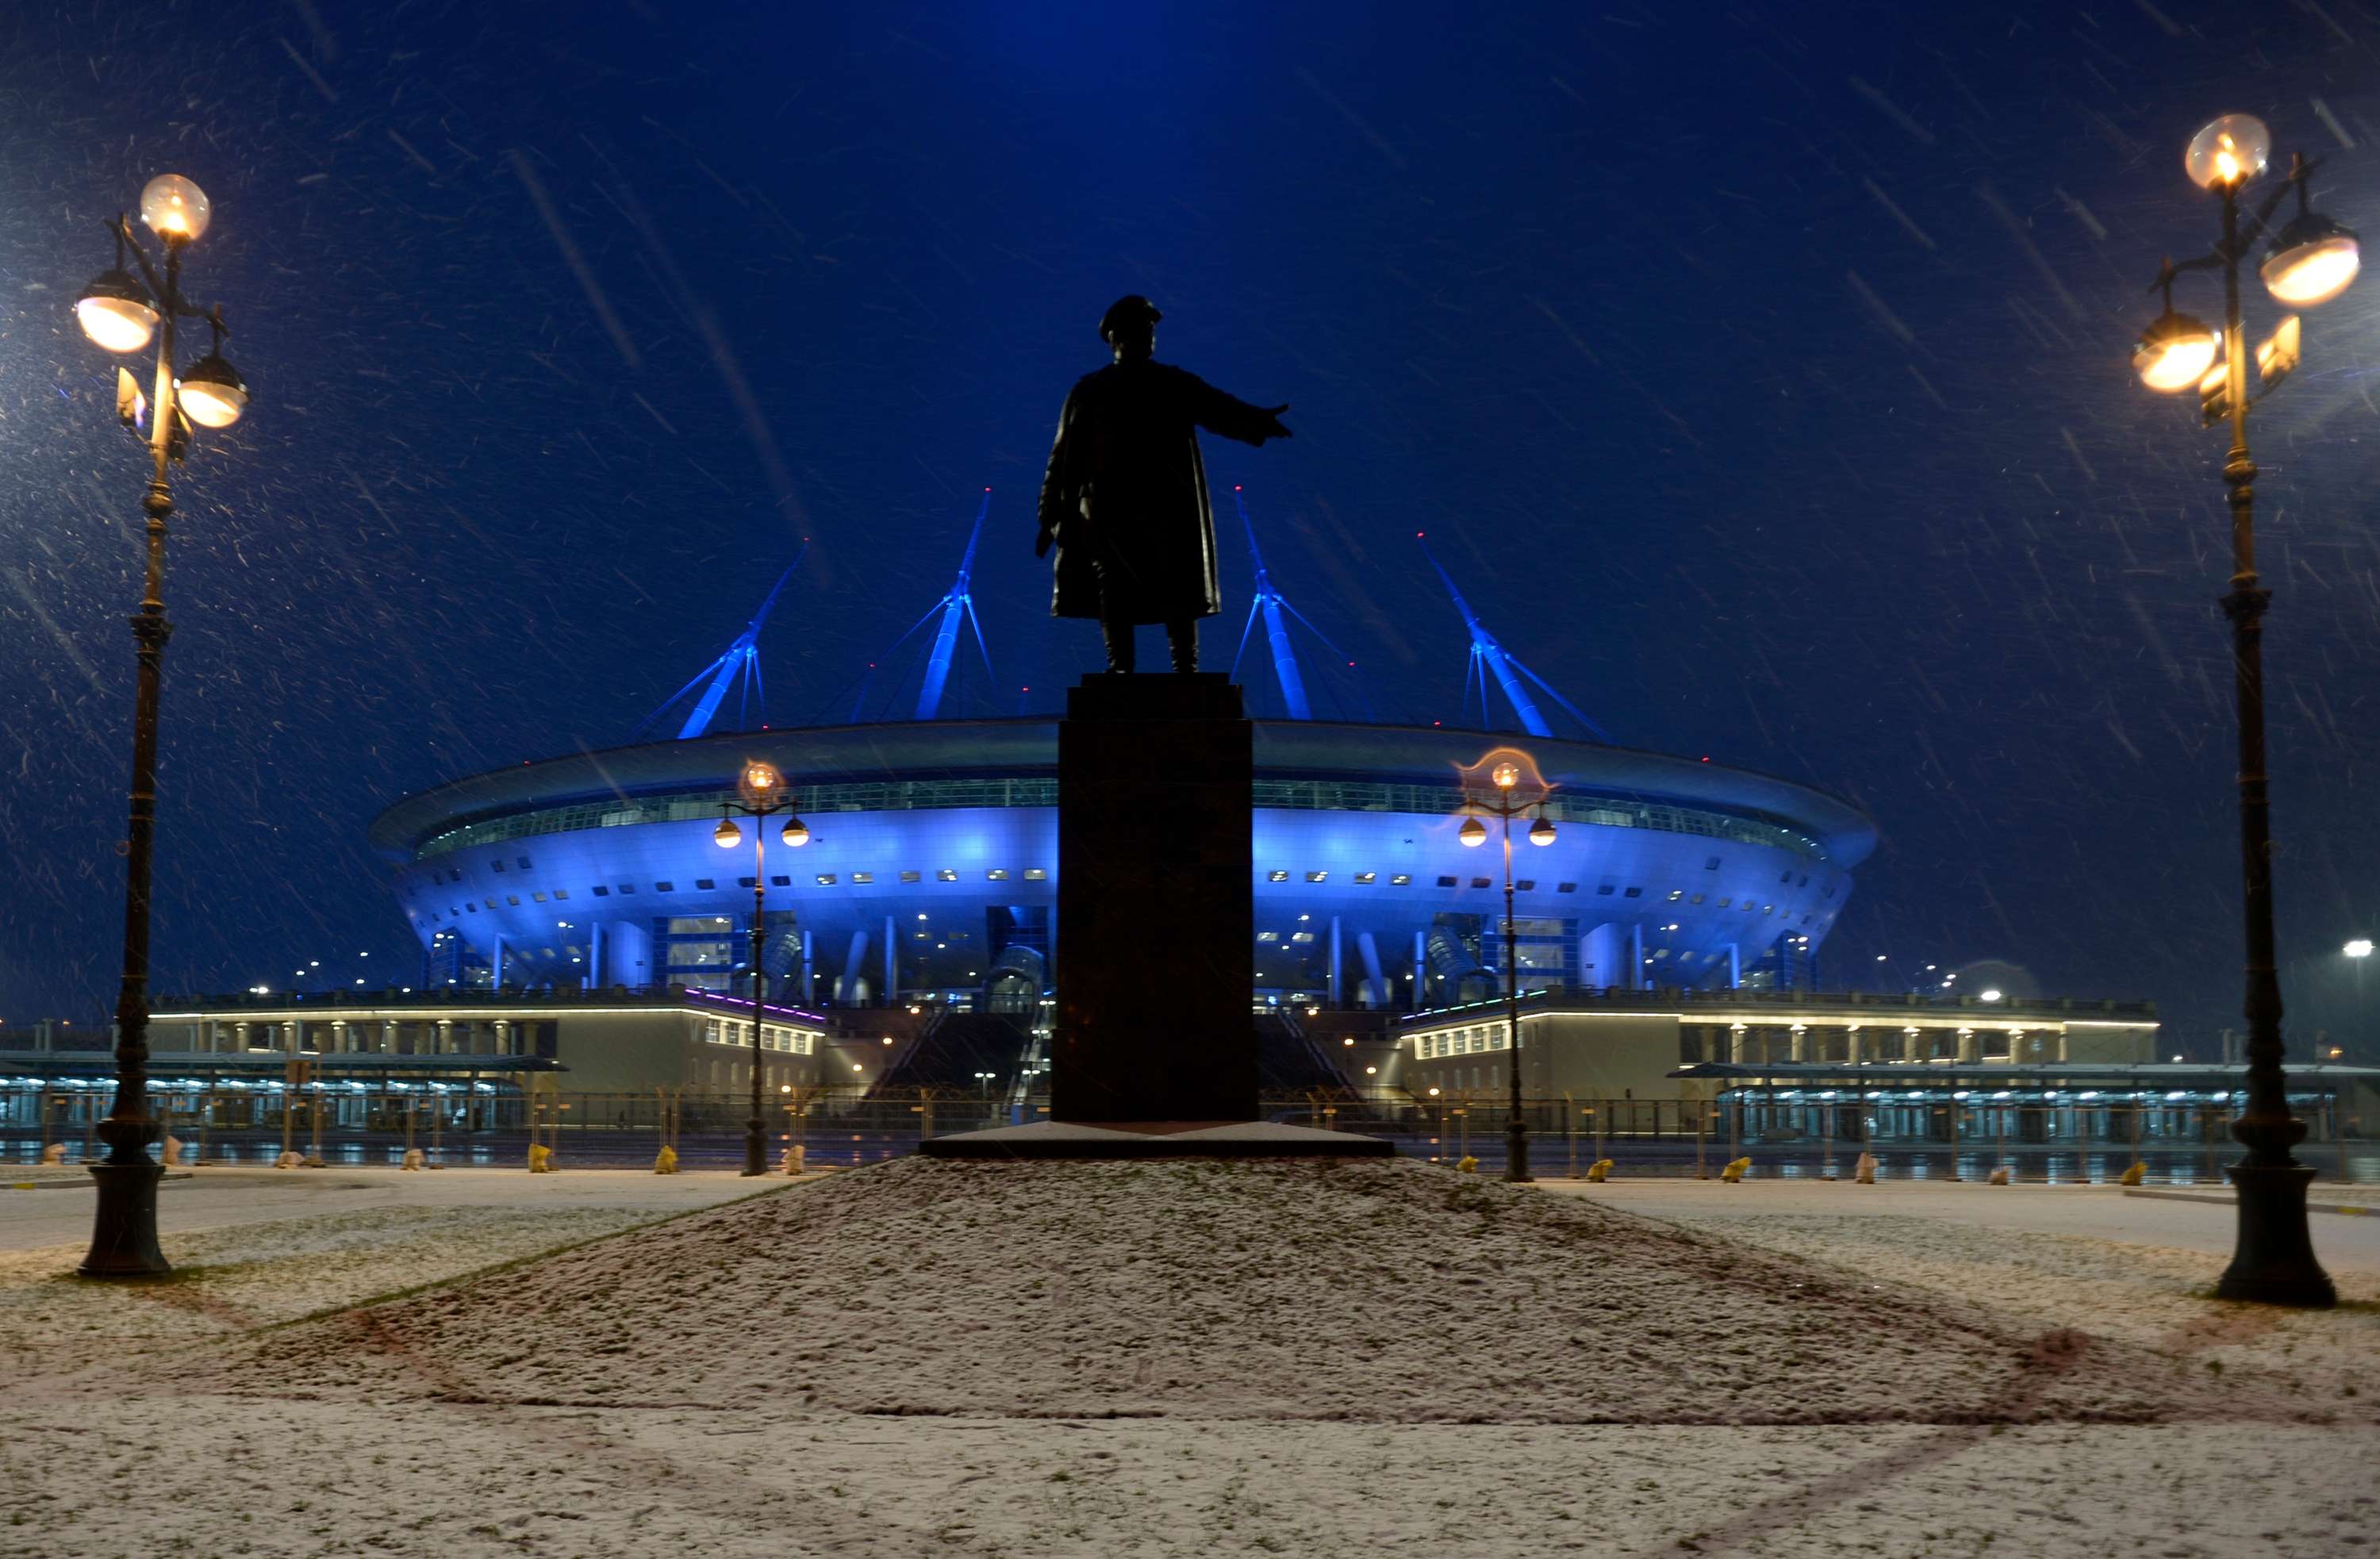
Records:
x=1488, y=657
x=1267, y=602
x=742, y=659
x=959, y=604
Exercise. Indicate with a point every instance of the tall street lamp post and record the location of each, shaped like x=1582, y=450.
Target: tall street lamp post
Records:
x=2309, y=260
x=1505, y=802
x=121, y=312
x=759, y=792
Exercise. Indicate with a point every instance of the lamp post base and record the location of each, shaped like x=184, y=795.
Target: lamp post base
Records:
x=1516, y=1153
x=2273, y=1261
x=124, y=1231
x=756, y=1151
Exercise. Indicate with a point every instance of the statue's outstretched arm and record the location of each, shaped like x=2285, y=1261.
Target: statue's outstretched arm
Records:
x=1230, y=417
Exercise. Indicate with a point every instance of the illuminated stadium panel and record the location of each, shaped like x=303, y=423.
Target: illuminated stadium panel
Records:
x=937, y=842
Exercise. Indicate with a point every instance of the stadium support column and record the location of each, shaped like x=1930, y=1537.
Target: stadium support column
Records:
x=809, y=971
x=1421, y=970
x=594, y=980
x=1636, y=956
x=1734, y=967
x=1338, y=1001
x=496, y=965
x=1156, y=797
x=891, y=964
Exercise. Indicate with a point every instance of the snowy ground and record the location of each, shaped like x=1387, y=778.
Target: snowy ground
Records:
x=726, y=1383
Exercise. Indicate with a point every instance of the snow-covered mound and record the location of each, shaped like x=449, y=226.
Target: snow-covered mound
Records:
x=1372, y=1290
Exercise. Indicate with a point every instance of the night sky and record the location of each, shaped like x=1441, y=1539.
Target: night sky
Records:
x=1761, y=371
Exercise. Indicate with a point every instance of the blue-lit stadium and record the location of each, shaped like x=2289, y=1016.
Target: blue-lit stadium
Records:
x=931, y=871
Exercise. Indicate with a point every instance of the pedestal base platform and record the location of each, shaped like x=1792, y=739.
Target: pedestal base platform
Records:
x=1156, y=1140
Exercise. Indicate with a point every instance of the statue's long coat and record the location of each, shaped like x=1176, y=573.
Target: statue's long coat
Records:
x=1125, y=495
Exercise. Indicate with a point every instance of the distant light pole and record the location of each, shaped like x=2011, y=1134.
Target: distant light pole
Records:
x=759, y=791
x=2310, y=261
x=1502, y=803
x=121, y=312
x=2359, y=952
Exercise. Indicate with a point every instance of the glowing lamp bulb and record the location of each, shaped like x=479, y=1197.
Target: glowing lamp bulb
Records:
x=796, y=832
x=2229, y=152
x=1541, y=833
x=211, y=393
x=2313, y=261
x=759, y=776
x=1506, y=776
x=727, y=836
x=2173, y=353
x=175, y=208
x=1473, y=833
x=115, y=312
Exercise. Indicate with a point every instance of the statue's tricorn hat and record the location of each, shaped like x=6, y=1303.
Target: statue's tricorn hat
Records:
x=1132, y=309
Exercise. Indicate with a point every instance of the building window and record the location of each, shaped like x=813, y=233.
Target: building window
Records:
x=1526, y=884
x=1276, y=875
x=539, y=896
x=1480, y=882
x=1711, y=864
x=1301, y=936
x=946, y=875
x=1400, y=880
x=561, y=893
x=497, y=864
x=909, y=876
x=780, y=881
x=1035, y=874
x=1696, y=899
x=665, y=887
x=1634, y=892
x=513, y=899
x=1261, y=936
x=1565, y=887
x=747, y=882
x=1723, y=903
x=826, y=879
x=1446, y=881
x=601, y=892
x=1364, y=878
x=628, y=887
x=1676, y=894
x=997, y=874
x=704, y=882
x=473, y=907
x=1605, y=890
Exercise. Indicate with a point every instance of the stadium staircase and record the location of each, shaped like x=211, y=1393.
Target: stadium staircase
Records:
x=953, y=1048
x=1290, y=1060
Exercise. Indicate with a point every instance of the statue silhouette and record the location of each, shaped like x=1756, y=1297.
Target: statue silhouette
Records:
x=1124, y=500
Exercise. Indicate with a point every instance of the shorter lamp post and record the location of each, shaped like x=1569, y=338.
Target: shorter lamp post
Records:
x=759, y=792
x=1504, y=802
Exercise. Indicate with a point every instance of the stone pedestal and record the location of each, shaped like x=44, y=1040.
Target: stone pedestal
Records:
x=1156, y=947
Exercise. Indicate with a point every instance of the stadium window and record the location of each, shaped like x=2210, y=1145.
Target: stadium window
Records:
x=561, y=893
x=513, y=899
x=1301, y=936
x=454, y=875
x=1676, y=894
x=524, y=862
x=1711, y=865
x=473, y=907
x=1526, y=884
x=748, y=882
x=1316, y=876
x=1402, y=879
x=1366, y=878
x=628, y=887
x=1769, y=909
x=1446, y=881
x=856, y=877
x=826, y=879
x=492, y=904
x=1634, y=892
x=909, y=876
x=1276, y=875
x=704, y=882
x=1261, y=936
x=1696, y=899
x=665, y=887
x=1480, y=882
x=1565, y=887
x=946, y=875
x=539, y=896
x=1787, y=878
x=997, y=874
x=778, y=881
x=1804, y=881
x=497, y=864
x=601, y=892
x=1723, y=903
x=1035, y=874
